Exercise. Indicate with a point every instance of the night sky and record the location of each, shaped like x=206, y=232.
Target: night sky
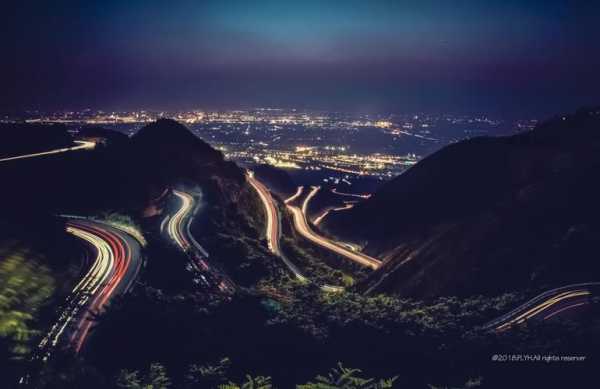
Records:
x=504, y=57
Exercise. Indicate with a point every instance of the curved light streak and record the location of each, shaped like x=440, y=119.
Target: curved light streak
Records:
x=543, y=307
x=164, y=222
x=301, y=225
x=179, y=229
x=320, y=218
x=273, y=229
x=175, y=224
x=311, y=194
x=272, y=232
x=295, y=195
x=564, y=309
x=113, y=270
x=546, y=305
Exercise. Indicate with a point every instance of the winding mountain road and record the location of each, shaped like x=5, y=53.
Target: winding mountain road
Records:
x=550, y=304
x=115, y=266
x=273, y=229
x=326, y=212
x=302, y=226
x=178, y=228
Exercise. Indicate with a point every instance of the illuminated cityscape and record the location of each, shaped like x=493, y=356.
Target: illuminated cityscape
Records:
x=345, y=145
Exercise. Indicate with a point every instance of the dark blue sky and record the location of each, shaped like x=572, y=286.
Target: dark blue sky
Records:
x=527, y=57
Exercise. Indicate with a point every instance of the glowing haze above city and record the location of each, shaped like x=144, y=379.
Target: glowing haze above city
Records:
x=354, y=56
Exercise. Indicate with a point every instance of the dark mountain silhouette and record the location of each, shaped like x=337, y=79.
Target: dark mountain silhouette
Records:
x=488, y=215
x=165, y=152
x=22, y=138
x=107, y=136
x=278, y=180
x=121, y=174
x=166, y=135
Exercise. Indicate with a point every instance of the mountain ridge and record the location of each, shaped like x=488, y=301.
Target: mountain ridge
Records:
x=486, y=215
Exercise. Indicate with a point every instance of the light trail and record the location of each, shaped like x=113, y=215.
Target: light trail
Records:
x=295, y=196
x=273, y=229
x=83, y=145
x=113, y=270
x=175, y=224
x=164, y=222
x=564, y=309
x=303, y=228
x=272, y=232
x=546, y=305
x=301, y=225
x=320, y=218
x=273, y=223
x=542, y=307
x=178, y=228
x=309, y=197
x=362, y=196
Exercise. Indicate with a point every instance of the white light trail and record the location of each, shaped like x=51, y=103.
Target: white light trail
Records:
x=83, y=145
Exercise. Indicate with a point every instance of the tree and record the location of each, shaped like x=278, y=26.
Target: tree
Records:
x=344, y=378
x=208, y=376
x=129, y=379
x=24, y=286
x=155, y=378
x=259, y=382
x=470, y=384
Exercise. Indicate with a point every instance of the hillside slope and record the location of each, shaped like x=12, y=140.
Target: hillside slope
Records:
x=166, y=153
x=488, y=215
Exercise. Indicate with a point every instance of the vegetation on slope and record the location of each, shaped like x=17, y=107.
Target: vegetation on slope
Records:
x=26, y=285
x=487, y=215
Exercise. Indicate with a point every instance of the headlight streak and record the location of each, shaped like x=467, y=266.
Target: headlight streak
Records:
x=111, y=271
x=164, y=223
x=175, y=225
x=546, y=305
x=320, y=218
x=530, y=313
x=273, y=229
x=362, y=196
x=178, y=228
x=82, y=145
x=295, y=196
x=302, y=226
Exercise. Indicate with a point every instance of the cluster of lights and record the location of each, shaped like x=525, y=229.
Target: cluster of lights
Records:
x=257, y=135
x=328, y=157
